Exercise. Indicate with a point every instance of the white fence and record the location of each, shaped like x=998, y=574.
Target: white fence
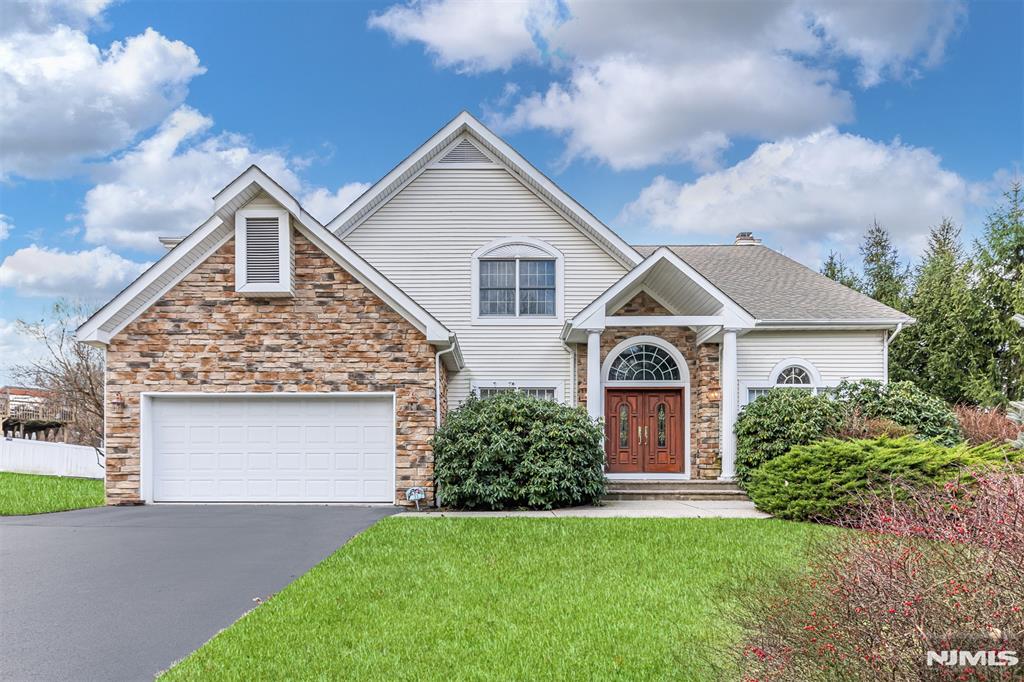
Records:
x=54, y=459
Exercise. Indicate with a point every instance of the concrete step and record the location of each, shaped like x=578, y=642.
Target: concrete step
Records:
x=673, y=490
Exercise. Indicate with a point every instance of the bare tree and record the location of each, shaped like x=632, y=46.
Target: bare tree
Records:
x=71, y=371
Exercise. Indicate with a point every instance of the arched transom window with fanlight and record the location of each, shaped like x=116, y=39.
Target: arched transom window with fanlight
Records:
x=644, y=362
x=517, y=279
x=791, y=373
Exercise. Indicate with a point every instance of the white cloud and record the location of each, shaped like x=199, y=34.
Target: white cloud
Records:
x=469, y=36
x=5, y=226
x=657, y=82
x=41, y=271
x=631, y=114
x=163, y=186
x=16, y=349
x=324, y=205
x=66, y=100
x=797, y=192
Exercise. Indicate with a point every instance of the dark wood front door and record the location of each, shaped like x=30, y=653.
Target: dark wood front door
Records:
x=644, y=431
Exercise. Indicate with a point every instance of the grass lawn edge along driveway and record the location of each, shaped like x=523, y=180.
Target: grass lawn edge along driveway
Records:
x=509, y=598
x=33, y=494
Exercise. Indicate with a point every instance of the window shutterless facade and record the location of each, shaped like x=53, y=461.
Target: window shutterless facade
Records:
x=517, y=288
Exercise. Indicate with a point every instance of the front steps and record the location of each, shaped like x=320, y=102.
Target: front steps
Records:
x=644, y=489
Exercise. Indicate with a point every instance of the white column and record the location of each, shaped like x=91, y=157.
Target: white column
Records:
x=729, y=406
x=594, y=373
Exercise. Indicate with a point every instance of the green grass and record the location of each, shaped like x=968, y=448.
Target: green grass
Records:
x=31, y=494
x=509, y=599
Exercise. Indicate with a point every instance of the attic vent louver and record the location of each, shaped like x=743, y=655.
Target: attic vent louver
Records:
x=262, y=250
x=465, y=152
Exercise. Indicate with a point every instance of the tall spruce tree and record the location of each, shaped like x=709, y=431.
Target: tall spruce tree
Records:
x=999, y=272
x=940, y=352
x=835, y=268
x=885, y=277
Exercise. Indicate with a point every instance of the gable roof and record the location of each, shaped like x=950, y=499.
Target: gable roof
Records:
x=216, y=231
x=466, y=124
x=776, y=289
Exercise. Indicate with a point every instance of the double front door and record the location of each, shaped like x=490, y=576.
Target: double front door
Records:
x=644, y=431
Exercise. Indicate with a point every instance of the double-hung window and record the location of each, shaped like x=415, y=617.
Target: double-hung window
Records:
x=517, y=287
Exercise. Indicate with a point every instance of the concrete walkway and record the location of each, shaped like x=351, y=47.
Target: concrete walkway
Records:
x=675, y=509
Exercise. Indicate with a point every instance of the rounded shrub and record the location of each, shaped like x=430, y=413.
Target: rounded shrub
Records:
x=778, y=420
x=823, y=480
x=514, y=451
x=905, y=404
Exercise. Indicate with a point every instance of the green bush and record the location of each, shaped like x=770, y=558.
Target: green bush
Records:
x=778, y=420
x=515, y=451
x=821, y=481
x=905, y=404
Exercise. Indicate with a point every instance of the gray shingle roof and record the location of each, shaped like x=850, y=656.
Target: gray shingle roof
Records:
x=771, y=286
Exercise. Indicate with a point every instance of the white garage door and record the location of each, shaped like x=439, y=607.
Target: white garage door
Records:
x=272, y=449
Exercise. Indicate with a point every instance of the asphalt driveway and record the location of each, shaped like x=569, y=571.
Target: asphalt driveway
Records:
x=122, y=593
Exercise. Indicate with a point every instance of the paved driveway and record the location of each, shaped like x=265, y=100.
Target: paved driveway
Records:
x=122, y=593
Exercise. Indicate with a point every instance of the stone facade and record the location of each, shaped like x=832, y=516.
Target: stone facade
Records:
x=333, y=335
x=705, y=382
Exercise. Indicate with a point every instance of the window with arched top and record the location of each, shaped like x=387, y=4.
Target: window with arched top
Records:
x=644, y=362
x=791, y=373
x=517, y=280
x=794, y=375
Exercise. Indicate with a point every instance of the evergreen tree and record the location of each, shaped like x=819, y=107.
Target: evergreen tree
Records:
x=885, y=278
x=1000, y=295
x=940, y=353
x=835, y=268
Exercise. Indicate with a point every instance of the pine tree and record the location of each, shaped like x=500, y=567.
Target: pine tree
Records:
x=835, y=268
x=940, y=353
x=885, y=278
x=1000, y=293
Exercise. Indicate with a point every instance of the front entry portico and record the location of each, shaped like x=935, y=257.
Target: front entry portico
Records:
x=644, y=431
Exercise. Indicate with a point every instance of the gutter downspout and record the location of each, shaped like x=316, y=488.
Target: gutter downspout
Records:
x=888, y=340
x=572, y=372
x=437, y=399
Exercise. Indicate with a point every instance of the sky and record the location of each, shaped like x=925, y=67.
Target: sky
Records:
x=673, y=122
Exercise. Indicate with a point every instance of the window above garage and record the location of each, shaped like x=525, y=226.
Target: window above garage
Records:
x=263, y=252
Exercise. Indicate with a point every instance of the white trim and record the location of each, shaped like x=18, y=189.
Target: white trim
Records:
x=684, y=369
x=508, y=158
x=729, y=410
x=517, y=319
x=732, y=313
x=283, y=285
x=557, y=386
x=817, y=383
x=436, y=333
x=663, y=320
x=684, y=384
x=146, y=436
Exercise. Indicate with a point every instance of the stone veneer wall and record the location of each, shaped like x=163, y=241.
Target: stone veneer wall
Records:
x=333, y=335
x=705, y=381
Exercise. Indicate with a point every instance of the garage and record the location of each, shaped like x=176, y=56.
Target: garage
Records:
x=259, y=448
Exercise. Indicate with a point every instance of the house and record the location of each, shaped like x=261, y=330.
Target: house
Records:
x=268, y=357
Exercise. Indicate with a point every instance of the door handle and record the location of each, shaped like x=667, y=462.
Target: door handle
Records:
x=639, y=435
x=647, y=435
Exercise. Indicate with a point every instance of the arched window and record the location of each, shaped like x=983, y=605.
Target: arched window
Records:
x=794, y=375
x=644, y=362
x=517, y=280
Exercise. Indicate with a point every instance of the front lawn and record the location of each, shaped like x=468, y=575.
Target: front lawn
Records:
x=509, y=598
x=31, y=494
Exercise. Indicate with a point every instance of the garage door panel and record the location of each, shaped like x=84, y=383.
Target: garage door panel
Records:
x=269, y=449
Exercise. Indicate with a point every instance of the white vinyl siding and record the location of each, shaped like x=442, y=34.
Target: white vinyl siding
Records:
x=836, y=355
x=424, y=239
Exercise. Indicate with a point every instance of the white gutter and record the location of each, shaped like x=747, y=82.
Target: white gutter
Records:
x=572, y=372
x=888, y=340
x=437, y=382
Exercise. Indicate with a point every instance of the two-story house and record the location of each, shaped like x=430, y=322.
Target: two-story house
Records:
x=268, y=357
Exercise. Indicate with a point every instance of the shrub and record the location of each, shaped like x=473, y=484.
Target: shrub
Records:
x=938, y=568
x=856, y=425
x=822, y=481
x=778, y=420
x=980, y=425
x=516, y=451
x=903, y=403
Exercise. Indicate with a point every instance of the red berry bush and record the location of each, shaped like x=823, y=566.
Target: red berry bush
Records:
x=915, y=569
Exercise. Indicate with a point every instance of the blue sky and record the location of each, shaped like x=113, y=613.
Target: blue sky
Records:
x=802, y=120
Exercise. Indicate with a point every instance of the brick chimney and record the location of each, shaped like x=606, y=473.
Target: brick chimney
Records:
x=746, y=239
